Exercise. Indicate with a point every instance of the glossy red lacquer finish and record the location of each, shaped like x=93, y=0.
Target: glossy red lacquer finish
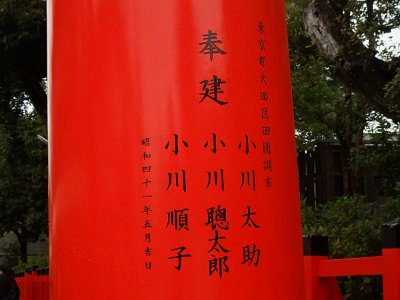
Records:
x=140, y=146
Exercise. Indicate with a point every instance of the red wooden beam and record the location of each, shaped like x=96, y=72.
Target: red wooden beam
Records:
x=360, y=266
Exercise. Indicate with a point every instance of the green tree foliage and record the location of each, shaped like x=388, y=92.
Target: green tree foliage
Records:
x=23, y=49
x=351, y=36
x=324, y=107
x=41, y=261
x=354, y=230
x=23, y=172
x=23, y=159
x=380, y=156
x=344, y=76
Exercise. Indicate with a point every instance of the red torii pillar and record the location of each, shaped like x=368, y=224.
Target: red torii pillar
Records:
x=172, y=154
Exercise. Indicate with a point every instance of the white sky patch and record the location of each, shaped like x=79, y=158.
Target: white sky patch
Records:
x=390, y=44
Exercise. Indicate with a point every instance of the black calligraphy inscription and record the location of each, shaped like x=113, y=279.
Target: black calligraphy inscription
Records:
x=266, y=130
x=264, y=113
x=264, y=95
x=261, y=44
x=263, y=78
x=211, y=90
x=214, y=143
x=268, y=182
x=267, y=148
x=147, y=195
x=249, y=220
x=217, y=246
x=261, y=27
x=147, y=237
x=216, y=178
x=248, y=179
x=176, y=143
x=178, y=219
x=179, y=255
x=216, y=218
x=148, y=251
x=268, y=165
x=147, y=224
x=210, y=46
x=177, y=179
x=246, y=144
x=251, y=256
x=147, y=209
x=219, y=265
x=262, y=61
x=146, y=155
x=146, y=142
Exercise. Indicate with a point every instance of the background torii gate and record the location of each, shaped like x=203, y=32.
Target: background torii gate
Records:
x=172, y=152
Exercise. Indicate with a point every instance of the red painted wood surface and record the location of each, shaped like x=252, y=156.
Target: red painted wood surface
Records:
x=34, y=287
x=351, y=266
x=320, y=273
x=145, y=123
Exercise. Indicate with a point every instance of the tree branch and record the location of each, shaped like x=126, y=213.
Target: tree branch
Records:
x=355, y=64
x=38, y=97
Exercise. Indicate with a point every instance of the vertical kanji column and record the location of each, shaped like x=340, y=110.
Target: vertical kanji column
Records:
x=172, y=155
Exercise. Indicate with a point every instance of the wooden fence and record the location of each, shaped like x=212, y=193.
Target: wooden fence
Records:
x=33, y=283
x=320, y=271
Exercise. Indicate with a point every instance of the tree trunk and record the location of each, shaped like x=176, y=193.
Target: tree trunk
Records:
x=355, y=64
x=370, y=21
x=346, y=169
x=358, y=178
x=351, y=137
x=23, y=243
